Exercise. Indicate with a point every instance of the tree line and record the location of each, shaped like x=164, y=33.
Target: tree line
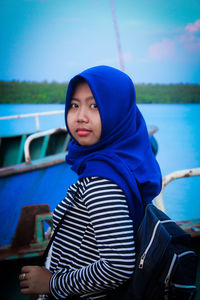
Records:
x=54, y=92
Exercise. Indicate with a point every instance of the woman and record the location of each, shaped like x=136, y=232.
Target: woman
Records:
x=93, y=250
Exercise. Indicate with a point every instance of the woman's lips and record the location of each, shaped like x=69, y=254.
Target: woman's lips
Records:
x=83, y=132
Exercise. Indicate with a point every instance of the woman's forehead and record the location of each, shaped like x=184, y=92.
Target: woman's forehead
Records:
x=82, y=90
x=76, y=83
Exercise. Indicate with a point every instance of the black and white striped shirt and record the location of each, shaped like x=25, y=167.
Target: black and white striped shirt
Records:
x=93, y=250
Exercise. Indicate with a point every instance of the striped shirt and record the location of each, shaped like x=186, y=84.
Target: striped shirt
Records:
x=93, y=250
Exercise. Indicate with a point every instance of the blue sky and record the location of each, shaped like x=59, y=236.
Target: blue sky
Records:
x=55, y=39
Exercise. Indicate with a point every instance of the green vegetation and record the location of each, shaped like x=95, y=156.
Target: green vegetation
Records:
x=54, y=92
x=32, y=92
x=168, y=93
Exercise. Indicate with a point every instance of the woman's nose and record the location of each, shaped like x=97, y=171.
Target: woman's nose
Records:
x=82, y=115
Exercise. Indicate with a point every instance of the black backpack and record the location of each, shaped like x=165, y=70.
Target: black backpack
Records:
x=165, y=264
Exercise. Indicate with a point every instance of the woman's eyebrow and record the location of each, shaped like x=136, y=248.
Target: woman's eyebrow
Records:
x=89, y=98
x=78, y=100
x=75, y=99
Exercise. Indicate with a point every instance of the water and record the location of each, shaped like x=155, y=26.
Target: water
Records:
x=178, y=139
x=179, y=145
x=28, y=125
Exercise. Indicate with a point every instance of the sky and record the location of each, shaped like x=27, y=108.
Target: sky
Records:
x=53, y=40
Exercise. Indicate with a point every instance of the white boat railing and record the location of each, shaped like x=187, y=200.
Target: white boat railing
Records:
x=33, y=115
x=42, y=134
x=170, y=177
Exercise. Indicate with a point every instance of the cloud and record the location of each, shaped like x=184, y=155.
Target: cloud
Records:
x=183, y=44
x=193, y=27
x=162, y=50
x=190, y=38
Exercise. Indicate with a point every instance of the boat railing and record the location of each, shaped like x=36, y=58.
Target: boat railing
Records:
x=45, y=134
x=33, y=115
x=170, y=177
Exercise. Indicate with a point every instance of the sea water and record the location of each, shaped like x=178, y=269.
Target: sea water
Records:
x=178, y=139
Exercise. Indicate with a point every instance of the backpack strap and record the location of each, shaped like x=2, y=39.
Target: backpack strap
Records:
x=143, y=201
x=46, y=251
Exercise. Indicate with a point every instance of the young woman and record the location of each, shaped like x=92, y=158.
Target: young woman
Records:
x=93, y=251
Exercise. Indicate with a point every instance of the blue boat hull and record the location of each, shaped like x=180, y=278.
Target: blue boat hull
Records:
x=47, y=185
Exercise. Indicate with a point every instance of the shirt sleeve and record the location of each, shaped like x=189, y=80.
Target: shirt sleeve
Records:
x=113, y=229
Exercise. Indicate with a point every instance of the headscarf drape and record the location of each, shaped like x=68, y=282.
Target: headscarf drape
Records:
x=123, y=154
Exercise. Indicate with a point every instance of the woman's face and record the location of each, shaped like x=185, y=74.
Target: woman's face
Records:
x=83, y=118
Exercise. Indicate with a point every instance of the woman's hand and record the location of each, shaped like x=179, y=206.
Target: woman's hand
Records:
x=34, y=280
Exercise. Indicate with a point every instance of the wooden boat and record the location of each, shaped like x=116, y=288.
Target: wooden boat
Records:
x=33, y=179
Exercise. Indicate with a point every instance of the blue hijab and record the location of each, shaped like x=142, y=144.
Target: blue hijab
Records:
x=123, y=154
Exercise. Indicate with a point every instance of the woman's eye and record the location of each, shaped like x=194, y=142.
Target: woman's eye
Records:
x=73, y=105
x=93, y=105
